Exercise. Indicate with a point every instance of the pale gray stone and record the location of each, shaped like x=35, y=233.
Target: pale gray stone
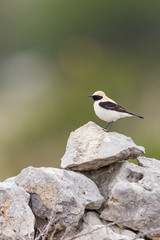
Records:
x=59, y=194
x=95, y=228
x=149, y=163
x=134, y=195
x=90, y=147
x=16, y=218
x=8, y=180
x=103, y=176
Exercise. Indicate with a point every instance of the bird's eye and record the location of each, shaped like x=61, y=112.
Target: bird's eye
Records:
x=97, y=97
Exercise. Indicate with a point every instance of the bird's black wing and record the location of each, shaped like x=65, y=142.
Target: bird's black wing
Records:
x=115, y=107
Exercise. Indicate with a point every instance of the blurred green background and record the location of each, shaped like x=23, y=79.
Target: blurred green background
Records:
x=54, y=54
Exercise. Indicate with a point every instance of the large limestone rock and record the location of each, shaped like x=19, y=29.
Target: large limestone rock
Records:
x=59, y=194
x=95, y=228
x=16, y=218
x=103, y=176
x=133, y=194
x=90, y=147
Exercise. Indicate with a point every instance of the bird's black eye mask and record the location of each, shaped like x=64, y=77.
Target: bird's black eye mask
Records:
x=96, y=97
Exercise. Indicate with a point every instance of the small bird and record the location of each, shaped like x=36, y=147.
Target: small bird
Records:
x=108, y=110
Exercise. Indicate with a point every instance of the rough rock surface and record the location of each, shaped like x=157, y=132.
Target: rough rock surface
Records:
x=149, y=163
x=59, y=194
x=103, y=176
x=134, y=195
x=16, y=218
x=108, y=200
x=90, y=147
x=94, y=228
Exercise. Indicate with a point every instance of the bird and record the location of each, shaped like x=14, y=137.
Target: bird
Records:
x=108, y=110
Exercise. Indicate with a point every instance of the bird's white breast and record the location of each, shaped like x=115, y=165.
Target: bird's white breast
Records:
x=108, y=115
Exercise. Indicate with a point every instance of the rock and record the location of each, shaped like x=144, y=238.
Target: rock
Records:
x=149, y=163
x=90, y=147
x=16, y=218
x=108, y=199
x=59, y=194
x=134, y=195
x=103, y=176
x=94, y=228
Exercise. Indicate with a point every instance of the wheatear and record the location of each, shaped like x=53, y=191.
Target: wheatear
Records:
x=108, y=110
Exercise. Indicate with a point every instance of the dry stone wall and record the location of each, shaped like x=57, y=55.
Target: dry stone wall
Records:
x=97, y=194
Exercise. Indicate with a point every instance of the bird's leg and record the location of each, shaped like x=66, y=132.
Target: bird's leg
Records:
x=105, y=128
x=107, y=125
x=110, y=126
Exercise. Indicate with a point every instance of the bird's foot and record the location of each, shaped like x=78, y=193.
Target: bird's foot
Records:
x=106, y=130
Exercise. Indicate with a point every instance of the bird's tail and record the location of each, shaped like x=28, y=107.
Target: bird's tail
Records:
x=137, y=115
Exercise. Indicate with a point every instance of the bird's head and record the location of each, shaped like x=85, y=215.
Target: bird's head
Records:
x=98, y=95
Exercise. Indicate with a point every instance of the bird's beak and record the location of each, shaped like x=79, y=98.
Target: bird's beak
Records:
x=90, y=96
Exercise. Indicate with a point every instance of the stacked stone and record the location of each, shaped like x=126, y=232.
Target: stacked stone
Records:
x=97, y=196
